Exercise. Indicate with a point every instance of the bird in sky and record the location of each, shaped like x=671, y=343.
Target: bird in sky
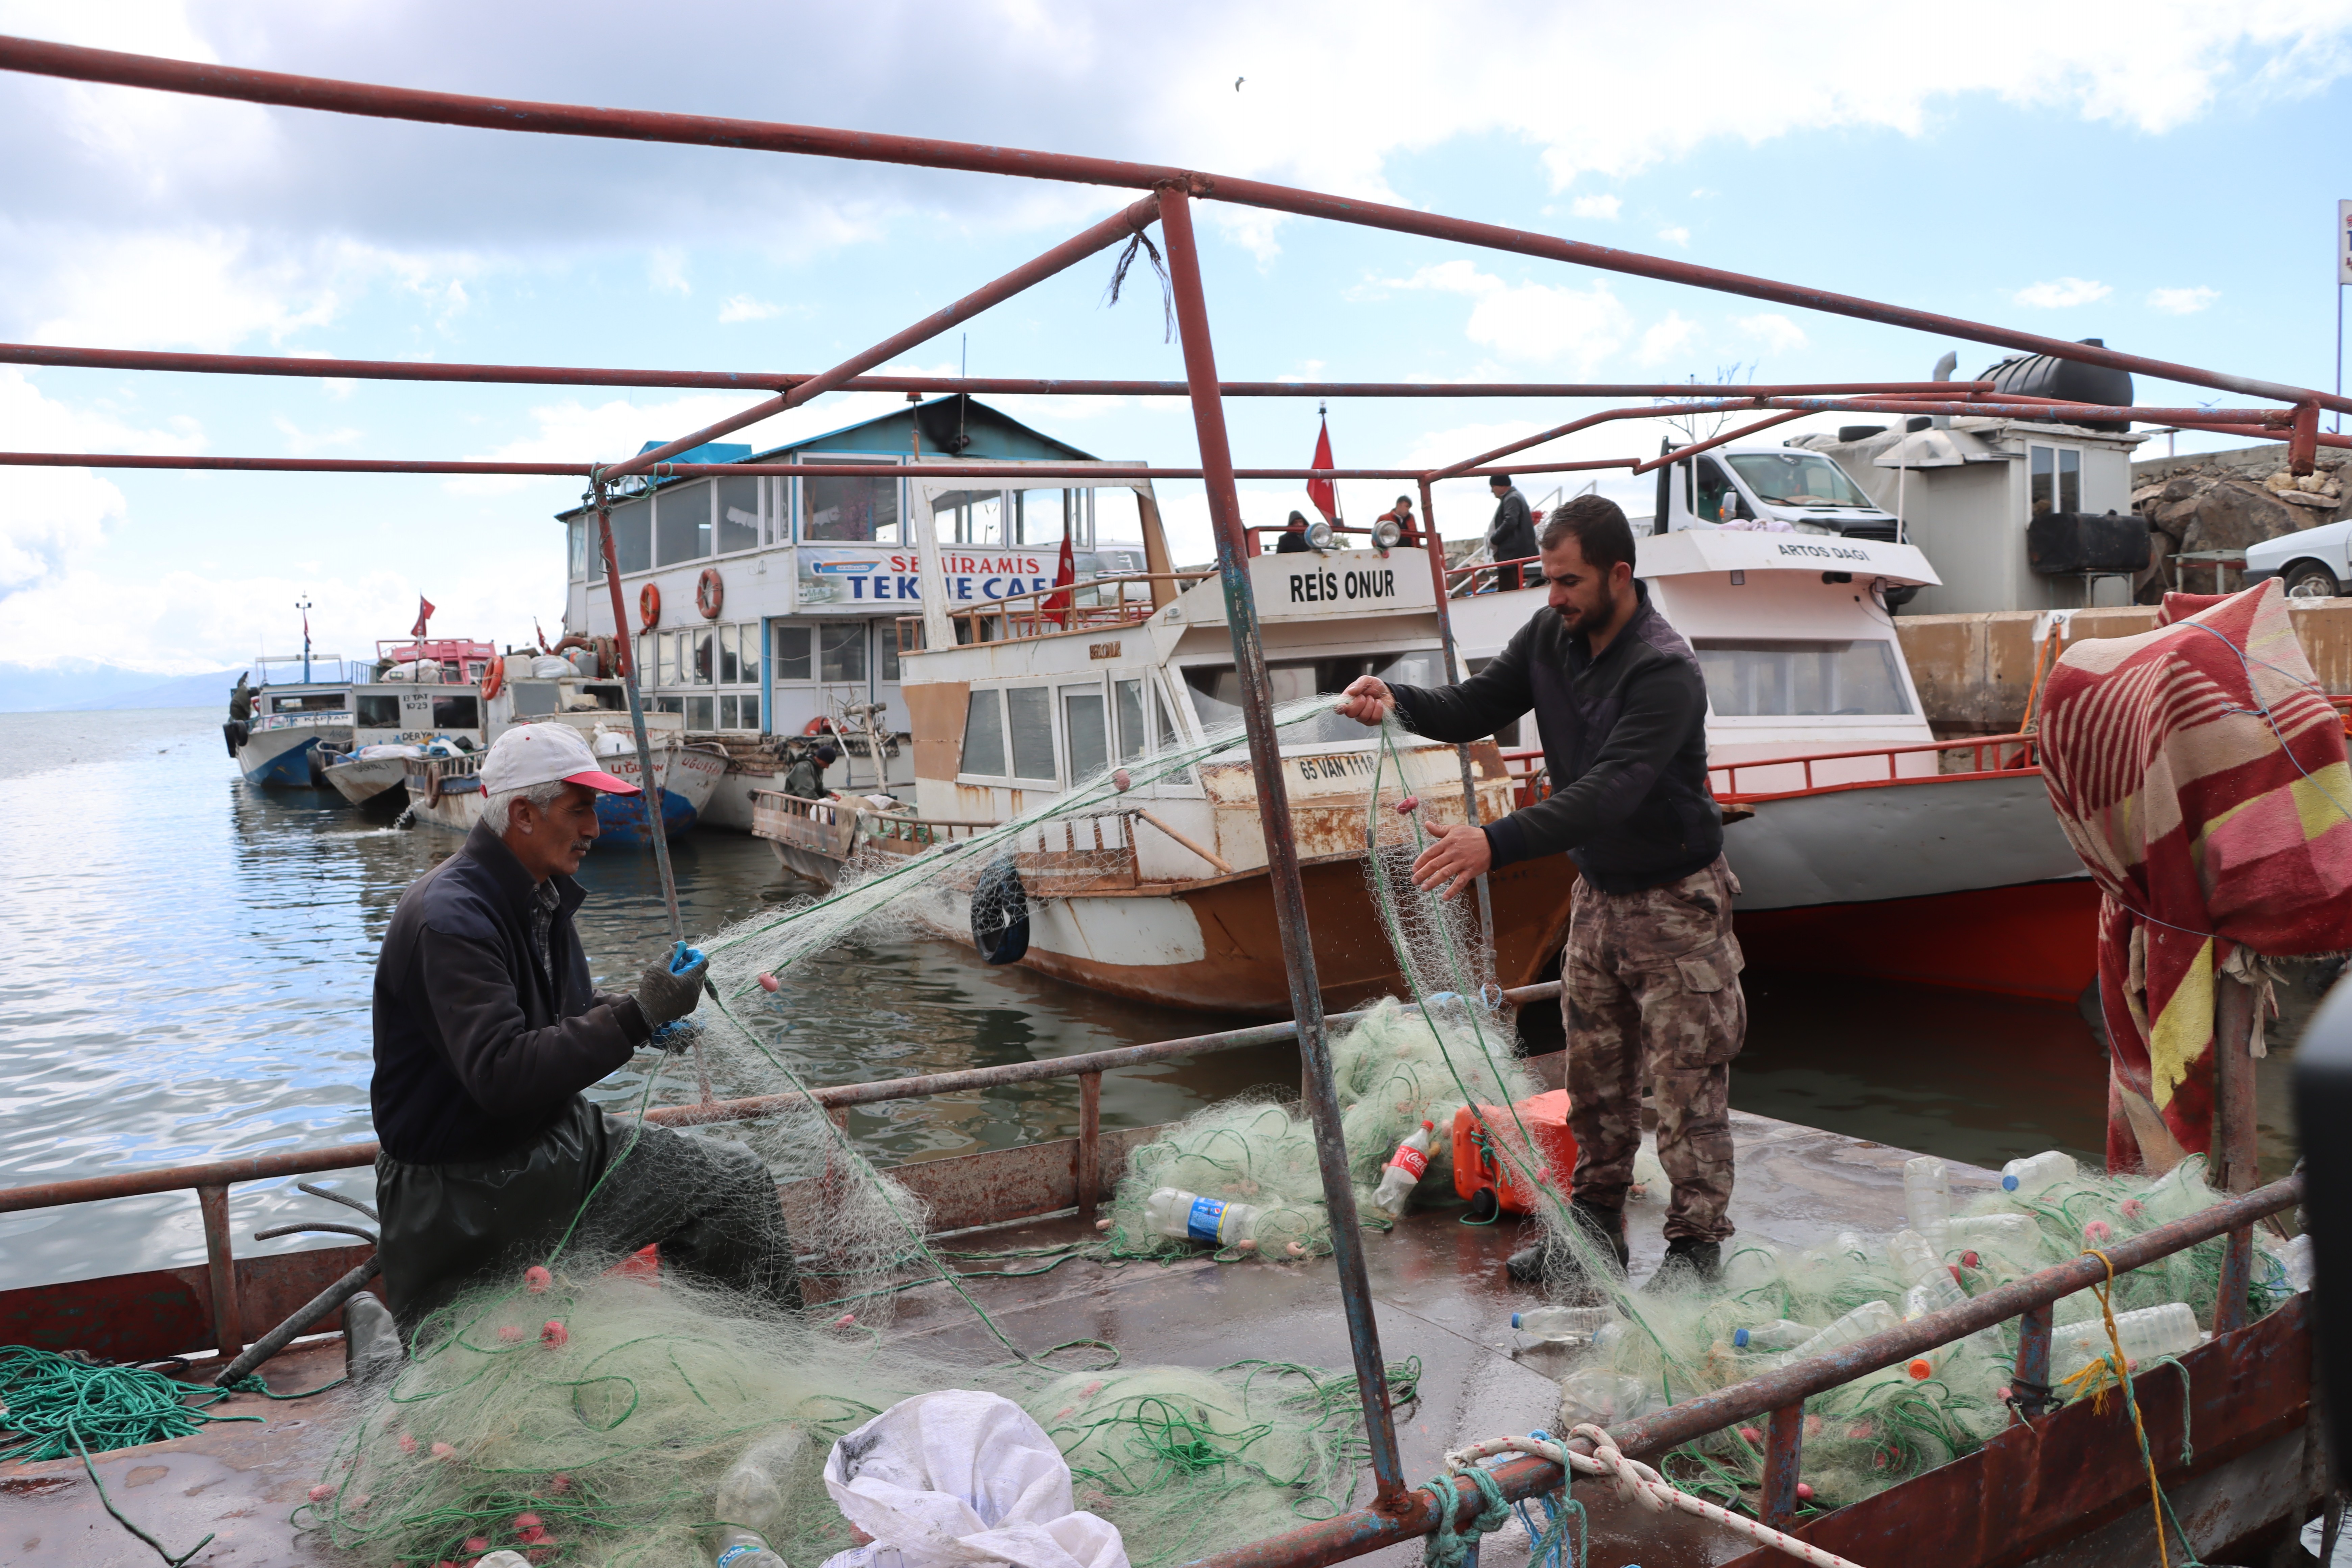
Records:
x=1237, y=83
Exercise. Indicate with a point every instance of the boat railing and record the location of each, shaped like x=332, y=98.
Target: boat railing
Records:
x=1493, y=576
x=1071, y=607
x=438, y=776
x=1988, y=756
x=1779, y=1394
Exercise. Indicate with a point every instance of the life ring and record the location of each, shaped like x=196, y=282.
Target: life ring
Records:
x=496, y=681
x=819, y=725
x=649, y=607
x=999, y=914
x=709, y=593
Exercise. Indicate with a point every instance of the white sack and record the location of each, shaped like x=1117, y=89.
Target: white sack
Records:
x=958, y=1478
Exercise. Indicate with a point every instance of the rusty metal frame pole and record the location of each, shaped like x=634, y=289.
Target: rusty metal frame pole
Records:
x=1282, y=876
x=1437, y=548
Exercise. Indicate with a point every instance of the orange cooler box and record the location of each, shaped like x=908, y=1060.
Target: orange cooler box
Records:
x=1478, y=1167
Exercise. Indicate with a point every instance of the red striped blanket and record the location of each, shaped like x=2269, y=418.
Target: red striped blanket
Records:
x=2200, y=772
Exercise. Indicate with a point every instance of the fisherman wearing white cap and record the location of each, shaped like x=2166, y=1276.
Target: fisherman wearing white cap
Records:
x=487, y=1030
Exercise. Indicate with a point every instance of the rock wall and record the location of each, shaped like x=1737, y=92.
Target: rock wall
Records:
x=2227, y=501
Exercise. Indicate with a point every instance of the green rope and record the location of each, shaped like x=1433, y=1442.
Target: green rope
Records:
x=1446, y=1546
x=55, y=1403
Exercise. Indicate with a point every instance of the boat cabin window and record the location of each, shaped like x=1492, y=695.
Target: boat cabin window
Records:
x=841, y=654
x=377, y=712
x=1799, y=477
x=738, y=515
x=983, y=734
x=633, y=536
x=534, y=699
x=790, y=650
x=578, y=531
x=1126, y=709
x=1087, y=729
x=457, y=713
x=681, y=524
x=1216, y=689
x=309, y=702
x=848, y=507
x=606, y=697
x=1759, y=679
x=1029, y=715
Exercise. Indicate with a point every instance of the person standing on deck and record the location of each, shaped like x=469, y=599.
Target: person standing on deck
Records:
x=1651, y=974
x=805, y=778
x=240, y=699
x=487, y=1030
x=1512, y=535
x=1293, y=538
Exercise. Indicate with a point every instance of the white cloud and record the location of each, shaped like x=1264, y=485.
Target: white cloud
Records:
x=2182, y=301
x=665, y=270
x=743, y=307
x=1774, y=329
x=1667, y=339
x=1675, y=236
x=1605, y=208
x=1536, y=322
x=2059, y=293
x=301, y=443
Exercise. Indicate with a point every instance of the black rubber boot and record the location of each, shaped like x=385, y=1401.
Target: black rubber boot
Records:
x=1552, y=1263
x=370, y=1342
x=1687, y=1263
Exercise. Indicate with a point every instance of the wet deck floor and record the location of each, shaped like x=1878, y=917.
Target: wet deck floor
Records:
x=1440, y=1296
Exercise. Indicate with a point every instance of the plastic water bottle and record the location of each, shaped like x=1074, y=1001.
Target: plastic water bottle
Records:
x=751, y=1502
x=1846, y=1247
x=1870, y=1318
x=1188, y=1216
x=2179, y=1193
x=1405, y=1168
x=1927, y=1199
x=1994, y=1229
x=1781, y=1335
x=1558, y=1323
x=2024, y=1178
x=2145, y=1334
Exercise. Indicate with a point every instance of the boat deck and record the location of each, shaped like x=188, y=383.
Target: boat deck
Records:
x=1441, y=1292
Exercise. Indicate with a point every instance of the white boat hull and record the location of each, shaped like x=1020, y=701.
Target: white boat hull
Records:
x=364, y=780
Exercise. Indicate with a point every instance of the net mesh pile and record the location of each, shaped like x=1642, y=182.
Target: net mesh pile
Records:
x=592, y=1420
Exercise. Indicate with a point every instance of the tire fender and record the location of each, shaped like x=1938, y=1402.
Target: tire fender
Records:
x=999, y=914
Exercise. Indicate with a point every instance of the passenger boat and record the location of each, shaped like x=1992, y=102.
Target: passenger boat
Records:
x=1862, y=844
x=424, y=696
x=1164, y=896
x=445, y=790
x=300, y=703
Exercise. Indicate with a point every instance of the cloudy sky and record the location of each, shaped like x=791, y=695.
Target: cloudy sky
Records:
x=2161, y=175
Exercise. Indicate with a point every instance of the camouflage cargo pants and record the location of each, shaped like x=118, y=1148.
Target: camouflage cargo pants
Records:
x=1653, y=994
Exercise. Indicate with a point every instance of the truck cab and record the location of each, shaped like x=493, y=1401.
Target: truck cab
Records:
x=1770, y=488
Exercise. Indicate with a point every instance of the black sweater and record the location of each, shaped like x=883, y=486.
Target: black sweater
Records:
x=477, y=1046
x=1624, y=737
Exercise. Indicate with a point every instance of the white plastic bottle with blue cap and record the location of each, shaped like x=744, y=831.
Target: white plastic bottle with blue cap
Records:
x=2024, y=1178
x=1781, y=1335
x=1188, y=1216
x=1562, y=1323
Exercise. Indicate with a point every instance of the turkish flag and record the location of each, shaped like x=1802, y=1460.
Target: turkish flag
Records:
x=1324, y=494
x=1058, y=605
x=424, y=614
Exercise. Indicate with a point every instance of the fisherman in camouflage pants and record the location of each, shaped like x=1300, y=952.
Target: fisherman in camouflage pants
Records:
x=1651, y=970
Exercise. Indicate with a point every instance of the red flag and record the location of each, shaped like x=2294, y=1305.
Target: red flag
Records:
x=424, y=614
x=1324, y=494
x=1058, y=605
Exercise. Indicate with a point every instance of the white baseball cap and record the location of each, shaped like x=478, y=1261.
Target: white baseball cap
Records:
x=532, y=754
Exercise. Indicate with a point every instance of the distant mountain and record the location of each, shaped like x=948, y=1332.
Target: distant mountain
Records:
x=84, y=684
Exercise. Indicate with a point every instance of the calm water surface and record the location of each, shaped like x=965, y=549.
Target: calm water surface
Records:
x=187, y=964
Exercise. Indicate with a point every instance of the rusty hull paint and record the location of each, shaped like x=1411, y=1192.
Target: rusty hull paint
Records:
x=168, y=1311
x=2081, y=1467
x=1243, y=971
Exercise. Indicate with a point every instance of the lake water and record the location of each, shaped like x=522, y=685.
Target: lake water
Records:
x=187, y=966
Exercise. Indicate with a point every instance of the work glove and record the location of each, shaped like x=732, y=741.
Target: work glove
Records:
x=668, y=991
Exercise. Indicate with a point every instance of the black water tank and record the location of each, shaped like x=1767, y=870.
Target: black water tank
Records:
x=1860, y=432
x=2046, y=375
x=2062, y=541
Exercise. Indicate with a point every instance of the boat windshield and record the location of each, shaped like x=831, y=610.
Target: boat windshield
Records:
x=1799, y=477
x=1759, y=679
x=1216, y=689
